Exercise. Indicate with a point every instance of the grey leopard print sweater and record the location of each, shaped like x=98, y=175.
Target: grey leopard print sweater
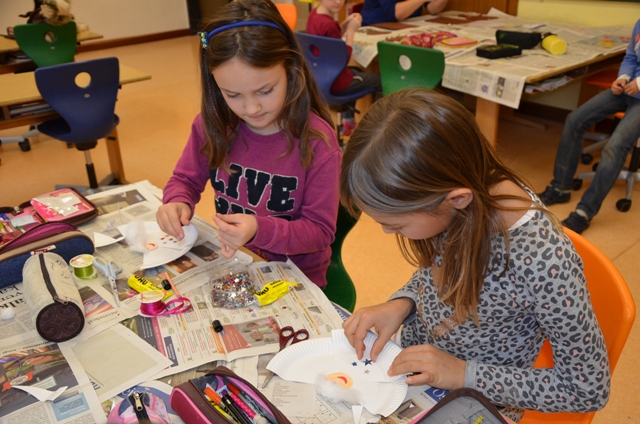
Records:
x=542, y=294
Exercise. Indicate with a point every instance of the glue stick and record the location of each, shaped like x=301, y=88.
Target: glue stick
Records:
x=273, y=291
x=141, y=284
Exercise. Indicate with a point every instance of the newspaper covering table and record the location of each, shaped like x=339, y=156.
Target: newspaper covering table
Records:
x=118, y=348
x=500, y=80
x=120, y=351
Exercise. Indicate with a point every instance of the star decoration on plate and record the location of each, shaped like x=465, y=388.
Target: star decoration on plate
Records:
x=367, y=362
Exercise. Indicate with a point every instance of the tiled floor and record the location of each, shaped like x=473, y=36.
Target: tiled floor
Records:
x=155, y=120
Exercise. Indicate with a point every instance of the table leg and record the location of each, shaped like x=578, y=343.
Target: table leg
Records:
x=115, y=158
x=487, y=115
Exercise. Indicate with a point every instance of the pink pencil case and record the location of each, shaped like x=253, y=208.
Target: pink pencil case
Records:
x=190, y=403
x=57, y=237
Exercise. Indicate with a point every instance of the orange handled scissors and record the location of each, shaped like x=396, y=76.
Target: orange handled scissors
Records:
x=287, y=334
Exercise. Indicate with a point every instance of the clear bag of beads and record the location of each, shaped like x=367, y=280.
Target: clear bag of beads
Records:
x=232, y=289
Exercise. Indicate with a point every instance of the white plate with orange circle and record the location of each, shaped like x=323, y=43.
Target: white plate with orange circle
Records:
x=335, y=359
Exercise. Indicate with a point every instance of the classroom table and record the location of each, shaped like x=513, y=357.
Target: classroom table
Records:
x=458, y=73
x=16, y=89
x=8, y=45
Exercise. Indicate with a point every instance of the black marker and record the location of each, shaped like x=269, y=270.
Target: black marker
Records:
x=217, y=326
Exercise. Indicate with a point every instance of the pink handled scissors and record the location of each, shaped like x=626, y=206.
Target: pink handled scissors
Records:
x=287, y=334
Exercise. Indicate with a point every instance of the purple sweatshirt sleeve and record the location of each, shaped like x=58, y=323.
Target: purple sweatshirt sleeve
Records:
x=192, y=171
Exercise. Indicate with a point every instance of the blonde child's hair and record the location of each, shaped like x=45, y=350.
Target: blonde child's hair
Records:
x=259, y=46
x=409, y=151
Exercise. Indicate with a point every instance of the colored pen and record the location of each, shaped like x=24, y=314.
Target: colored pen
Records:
x=248, y=399
x=217, y=400
x=236, y=409
x=257, y=417
x=221, y=411
x=173, y=286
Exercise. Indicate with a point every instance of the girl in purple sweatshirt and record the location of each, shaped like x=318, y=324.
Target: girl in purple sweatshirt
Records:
x=264, y=140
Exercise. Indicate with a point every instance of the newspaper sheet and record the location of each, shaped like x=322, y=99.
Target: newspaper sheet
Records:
x=499, y=80
x=28, y=361
x=189, y=340
x=117, y=359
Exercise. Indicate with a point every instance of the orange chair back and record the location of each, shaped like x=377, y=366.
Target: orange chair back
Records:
x=615, y=310
x=290, y=14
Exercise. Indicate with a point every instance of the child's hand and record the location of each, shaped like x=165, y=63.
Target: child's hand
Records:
x=632, y=87
x=430, y=366
x=172, y=216
x=235, y=231
x=385, y=318
x=354, y=21
x=618, y=86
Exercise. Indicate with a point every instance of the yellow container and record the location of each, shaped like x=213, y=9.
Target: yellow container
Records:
x=554, y=44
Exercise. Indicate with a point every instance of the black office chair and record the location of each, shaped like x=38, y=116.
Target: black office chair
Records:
x=87, y=111
x=327, y=57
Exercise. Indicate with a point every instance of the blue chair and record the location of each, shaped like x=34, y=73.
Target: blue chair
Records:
x=327, y=57
x=86, y=109
x=46, y=45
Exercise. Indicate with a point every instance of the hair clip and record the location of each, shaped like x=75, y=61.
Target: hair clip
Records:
x=204, y=37
x=203, y=40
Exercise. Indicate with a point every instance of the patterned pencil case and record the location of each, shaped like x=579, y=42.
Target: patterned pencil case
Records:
x=64, y=205
x=239, y=401
x=462, y=406
x=139, y=408
x=58, y=237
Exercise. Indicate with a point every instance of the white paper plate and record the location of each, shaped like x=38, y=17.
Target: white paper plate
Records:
x=164, y=253
x=377, y=392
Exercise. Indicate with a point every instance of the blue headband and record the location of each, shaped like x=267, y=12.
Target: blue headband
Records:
x=204, y=37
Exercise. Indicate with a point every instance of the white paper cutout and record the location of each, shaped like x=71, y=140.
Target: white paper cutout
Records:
x=42, y=394
x=357, y=413
x=378, y=392
x=168, y=248
x=101, y=240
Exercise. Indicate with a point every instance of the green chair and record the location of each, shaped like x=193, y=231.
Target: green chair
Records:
x=340, y=288
x=403, y=66
x=46, y=44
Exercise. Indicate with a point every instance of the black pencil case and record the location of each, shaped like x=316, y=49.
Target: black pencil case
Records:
x=498, y=50
x=524, y=40
x=190, y=403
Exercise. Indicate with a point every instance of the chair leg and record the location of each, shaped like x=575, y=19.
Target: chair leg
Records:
x=91, y=172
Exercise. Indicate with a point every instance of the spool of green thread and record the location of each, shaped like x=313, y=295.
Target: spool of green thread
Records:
x=83, y=267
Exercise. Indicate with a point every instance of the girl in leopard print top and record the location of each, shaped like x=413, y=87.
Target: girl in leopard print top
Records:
x=496, y=274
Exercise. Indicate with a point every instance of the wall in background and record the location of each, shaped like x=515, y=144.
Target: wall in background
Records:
x=581, y=12
x=112, y=18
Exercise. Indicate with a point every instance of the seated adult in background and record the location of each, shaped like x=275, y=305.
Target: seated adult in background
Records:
x=624, y=95
x=377, y=11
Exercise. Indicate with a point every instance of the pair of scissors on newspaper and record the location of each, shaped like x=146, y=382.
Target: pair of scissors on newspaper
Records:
x=110, y=270
x=287, y=334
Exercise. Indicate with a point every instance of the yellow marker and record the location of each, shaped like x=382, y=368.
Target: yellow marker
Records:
x=221, y=411
x=479, y=420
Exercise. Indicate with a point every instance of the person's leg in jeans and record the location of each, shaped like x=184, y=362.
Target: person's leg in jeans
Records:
x=570, y=148
x=612, y=159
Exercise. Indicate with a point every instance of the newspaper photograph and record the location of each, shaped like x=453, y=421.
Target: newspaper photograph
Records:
x=46, y=366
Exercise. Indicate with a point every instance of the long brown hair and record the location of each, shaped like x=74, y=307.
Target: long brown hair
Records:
x=409, y=151
x=258, y=46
